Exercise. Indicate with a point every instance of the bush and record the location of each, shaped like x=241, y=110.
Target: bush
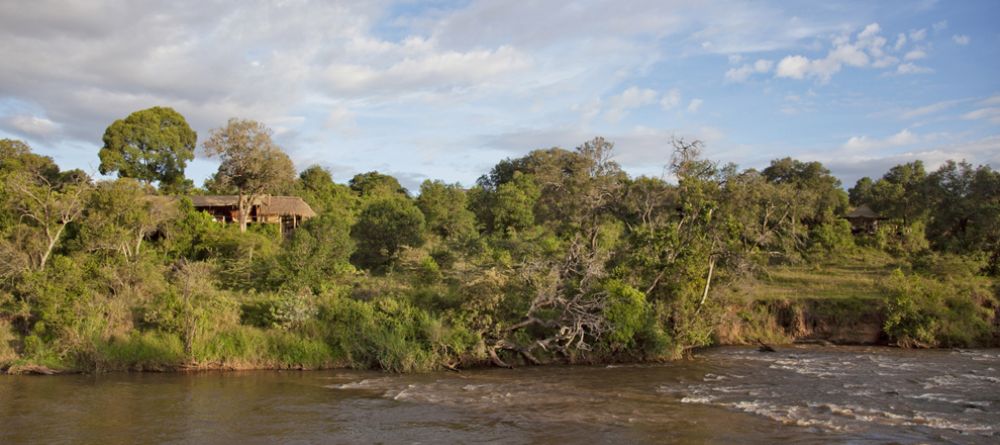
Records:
x=832, y=236
x=284, y=310
x=626, y=311
x=390, y=334
x=925, y=312
x=139, y=351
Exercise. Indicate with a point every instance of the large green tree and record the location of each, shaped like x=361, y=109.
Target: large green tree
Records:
x=385, y=226
x=252, y=163
x=149, y=145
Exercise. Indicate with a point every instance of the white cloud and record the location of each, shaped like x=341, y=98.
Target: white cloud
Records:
x=342, y=120
x=870, y=31
x=918, y=34
x=588, y=110
x=915, y=54
x=992, y=100
x=33, y=125
x=695, y=105
x=866, y=50
x=670, y=99
x=849, y=165
x=632, y=97
x=940, y=26
x=961, y=39
x=991, y=114
x=904, y=137
x=927, y=109
x=762, y=65
x=795, y=67
x=910, y=68
x=900, y=42
x=742, y=73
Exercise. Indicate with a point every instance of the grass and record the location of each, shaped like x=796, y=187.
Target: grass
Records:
x=854, y=275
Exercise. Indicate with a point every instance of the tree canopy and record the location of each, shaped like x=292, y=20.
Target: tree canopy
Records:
x=151, y=145
x=252, y=162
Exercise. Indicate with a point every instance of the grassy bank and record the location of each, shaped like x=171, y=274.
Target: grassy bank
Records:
x=866, y=297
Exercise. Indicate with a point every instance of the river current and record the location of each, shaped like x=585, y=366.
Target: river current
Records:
x=722, y=395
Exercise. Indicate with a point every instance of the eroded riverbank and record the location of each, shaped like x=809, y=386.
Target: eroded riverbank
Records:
x=723, y=395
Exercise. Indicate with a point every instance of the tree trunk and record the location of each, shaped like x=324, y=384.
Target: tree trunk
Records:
x=243, y=206
x=708, y=283
x=52, y=244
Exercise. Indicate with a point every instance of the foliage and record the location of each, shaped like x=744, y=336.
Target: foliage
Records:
x=251, y=162
x=925, y=312
x=555, y=256
x=149, y=145
x=385, y=226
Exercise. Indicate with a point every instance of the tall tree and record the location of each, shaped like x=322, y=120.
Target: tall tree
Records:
x=44, y=209
x=385, y=226
x=376, y=184
x=252, y=163
x=149, y=145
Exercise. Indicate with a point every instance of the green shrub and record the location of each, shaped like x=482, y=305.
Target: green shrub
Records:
x=832, y=236
x=284, y=310
x=927, y=312
x=139, y=351
x=626, y=311
x=389, y=334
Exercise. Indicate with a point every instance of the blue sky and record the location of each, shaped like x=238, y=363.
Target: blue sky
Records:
x=444, y=90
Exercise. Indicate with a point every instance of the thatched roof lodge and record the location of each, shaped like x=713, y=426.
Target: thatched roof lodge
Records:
x=863, y=219
x=289, y=211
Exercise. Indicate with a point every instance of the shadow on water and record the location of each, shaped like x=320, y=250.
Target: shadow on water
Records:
x=725, y=395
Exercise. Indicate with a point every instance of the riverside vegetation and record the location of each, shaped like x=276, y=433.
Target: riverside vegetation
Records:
x=557, y=256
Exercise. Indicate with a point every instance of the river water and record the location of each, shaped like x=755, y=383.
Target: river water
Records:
x=723, y=395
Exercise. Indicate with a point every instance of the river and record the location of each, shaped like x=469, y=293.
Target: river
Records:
x=723, y=395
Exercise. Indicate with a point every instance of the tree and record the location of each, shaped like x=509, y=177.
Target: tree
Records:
x=251, y=162
x=445, y=209
x=149, y=145
x=316, y=187
x=861, y=193
x=385, y=226
x=376, y=184
x=44, y=208
x=120, y=215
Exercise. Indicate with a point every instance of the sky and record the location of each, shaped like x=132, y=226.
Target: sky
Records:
x=446, y=89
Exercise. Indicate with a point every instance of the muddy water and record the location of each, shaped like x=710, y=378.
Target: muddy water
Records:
x=725, y=395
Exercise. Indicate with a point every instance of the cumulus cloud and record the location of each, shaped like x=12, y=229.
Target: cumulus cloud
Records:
x=632, y=97
x=868, y=48
x=695, y=105
x=670, y=99
x=961, y=39
x=32, y=125
x=915, y=54
x=911, y=68
x=742, y=73
x=904, y=137
x=900, y=42
x=795, y=67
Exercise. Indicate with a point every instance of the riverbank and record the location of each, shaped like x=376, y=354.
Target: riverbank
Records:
x=866, y=299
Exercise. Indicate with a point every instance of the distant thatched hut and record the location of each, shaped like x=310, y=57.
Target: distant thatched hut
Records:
x=288, y=211
x=863, y=220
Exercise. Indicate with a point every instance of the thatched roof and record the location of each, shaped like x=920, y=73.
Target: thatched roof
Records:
x=862, y=212
x=269, y=205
